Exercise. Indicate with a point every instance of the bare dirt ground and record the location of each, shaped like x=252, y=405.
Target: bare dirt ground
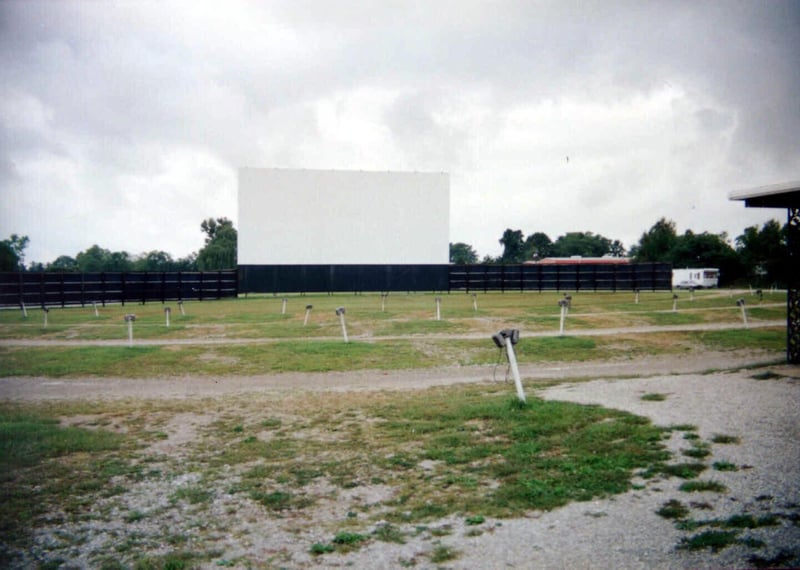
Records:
x=714, y=391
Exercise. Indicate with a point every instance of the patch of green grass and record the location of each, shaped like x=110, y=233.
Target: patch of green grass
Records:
x=539, y=456
x=347, y=541
x=683, y=427
x=442, y=553
x=654, y=397
x=752, y=339
x=703, y=486
x=725, y=439
x=698, y=451
x=679, y=318
x=387, y=532
x=475, y=520
x=27, y=439
x=714, y=540
x=68, y=361
x=319, y=548
x=673, y=509
x=683, y=470
x=556, y=348
x=724, y=466
x=193, y=495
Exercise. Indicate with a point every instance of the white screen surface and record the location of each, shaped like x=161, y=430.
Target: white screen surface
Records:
x=304, y=217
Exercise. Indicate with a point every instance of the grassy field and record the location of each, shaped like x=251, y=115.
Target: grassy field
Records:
x=360, y=467
x=404, y=335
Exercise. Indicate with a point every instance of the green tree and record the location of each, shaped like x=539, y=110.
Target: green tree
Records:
x=764, y=253
x=462, y=253
x=220, y=249
x=617, y=249
x=537, y=246
x=188, y=263
x=8, y=258
x=513, y=246
x=656, y=243
x=585, y=244
x=118, y=261
x=17, y=245
x=154, y=261
x=92, y=260
x=63, y=263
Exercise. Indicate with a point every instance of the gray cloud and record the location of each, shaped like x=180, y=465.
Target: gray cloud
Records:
x=662, y=107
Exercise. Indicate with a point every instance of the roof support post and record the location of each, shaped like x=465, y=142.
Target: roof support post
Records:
x=793, y=295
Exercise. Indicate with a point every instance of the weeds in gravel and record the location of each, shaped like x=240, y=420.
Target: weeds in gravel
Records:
x=703, y=487
x=714, y=540
x=673, y=509
x=725, y=439
x=724, y=466
x=442, y=553
x=699, y=450
x=682, y=470
x=654, y=397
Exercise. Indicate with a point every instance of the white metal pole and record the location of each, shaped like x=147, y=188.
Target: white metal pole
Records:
x=308, y=312
x=45, y=310
x=438, y=308
x=637, y=297
x=340, y=312
x=24, y=311
x=741, y=303
x=167, y=312
x=283, y=306
x=563, y=316
x=474, y=302
x=383, y=301
x=129, y=320
x=674, y=303
x=512, y=360
x=96, y=312
x=180, y=306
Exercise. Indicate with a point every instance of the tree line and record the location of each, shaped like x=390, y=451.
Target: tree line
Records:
x=759, y=254
x=218, y=252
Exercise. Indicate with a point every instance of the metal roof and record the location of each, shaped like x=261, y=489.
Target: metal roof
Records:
x=784, y=195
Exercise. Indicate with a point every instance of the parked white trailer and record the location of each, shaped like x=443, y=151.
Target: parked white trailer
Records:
x=702, y=278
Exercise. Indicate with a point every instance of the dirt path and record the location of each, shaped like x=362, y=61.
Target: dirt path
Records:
x=40, y=388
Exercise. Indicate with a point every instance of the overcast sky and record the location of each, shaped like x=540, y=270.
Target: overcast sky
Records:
x=123, y=124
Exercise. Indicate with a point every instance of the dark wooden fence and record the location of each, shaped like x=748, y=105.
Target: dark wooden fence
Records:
x=567, y=277
x=51, y=289
x=357, y=278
